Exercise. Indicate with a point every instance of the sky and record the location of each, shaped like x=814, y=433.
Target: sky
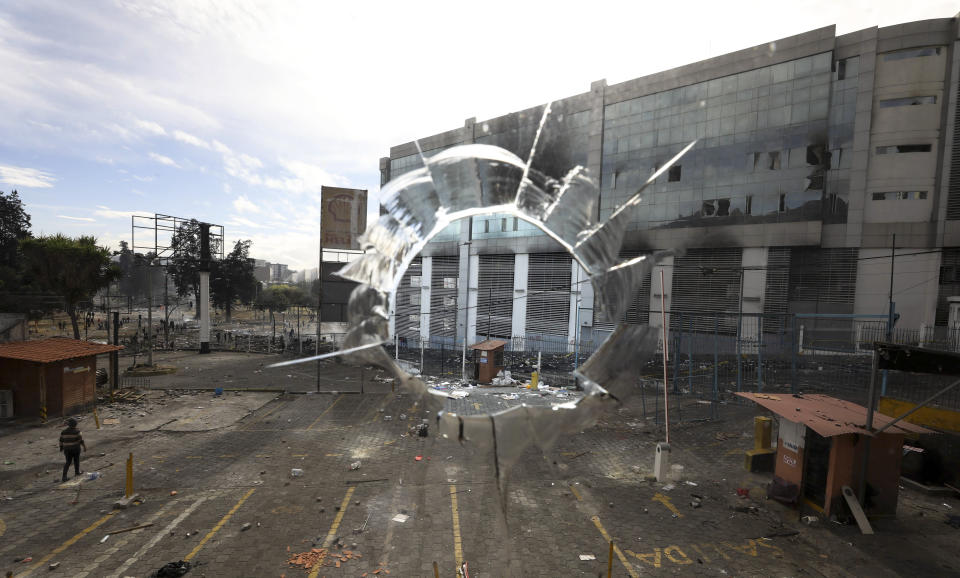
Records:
x=236, y=113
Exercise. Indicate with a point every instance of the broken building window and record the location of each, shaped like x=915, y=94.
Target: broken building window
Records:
x=708, y=209
x=841, y=69
x=782, y=207
x=898, y=149
x=748, y=206
x=773, y=160
x=674, y=174
x=900, y=196
x=911, y=53
x=723, y=207
x=908, y=101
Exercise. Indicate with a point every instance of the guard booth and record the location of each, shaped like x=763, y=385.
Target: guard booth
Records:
x=487, y=359
x=820, y=450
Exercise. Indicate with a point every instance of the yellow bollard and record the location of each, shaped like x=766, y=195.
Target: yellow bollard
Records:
x=436, y=570
x=610, y=561
x=129, y=485
x=96, y=418
x=535, y=380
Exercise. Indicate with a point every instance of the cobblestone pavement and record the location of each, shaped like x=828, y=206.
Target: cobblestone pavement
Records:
x=591, y=488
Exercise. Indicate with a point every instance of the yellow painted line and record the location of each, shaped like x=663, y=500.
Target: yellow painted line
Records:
x=262, y=455
x=66, y=544
x=335, y=402
x=333, y=455
x=457, y=541
x=260, y=418
x=194, y=457
x=333, y=529
x=389, y=442
x=665, y=500
x=3, y=528
x=227, y=456
x=616, y=549
x=219, y=525
x=299, y=455
x=576, y=493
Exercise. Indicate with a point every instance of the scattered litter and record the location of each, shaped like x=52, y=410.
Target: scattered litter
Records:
x=173, y=569
x=691, y=483
x=401, y=518
x=130, y=529
x=387, y=418
x=7, y=463
x=418, y=458
x=93, y=475
x=53, y=566
x=459, y=393
x=808, y=520
x=296, y=473
x=947, y=506
x=173, y=492
x=355, y=465
x=105, y=538
x=587, y=557
x=27, y=559
x=245, y=527
x=743, y=492
x=668, y=487
x=402, y=417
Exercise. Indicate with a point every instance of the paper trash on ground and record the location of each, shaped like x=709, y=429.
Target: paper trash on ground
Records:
x=400, y=518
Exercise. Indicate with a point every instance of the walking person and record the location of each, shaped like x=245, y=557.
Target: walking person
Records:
x=70, y=443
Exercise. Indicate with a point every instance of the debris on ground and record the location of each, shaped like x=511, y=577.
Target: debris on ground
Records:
x=173, y=569
x=355, y=466
x=587, y=557
x=296, y=473
x=401, y=518
x=307, y=560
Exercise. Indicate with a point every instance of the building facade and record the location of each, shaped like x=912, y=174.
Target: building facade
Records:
x=815, y=154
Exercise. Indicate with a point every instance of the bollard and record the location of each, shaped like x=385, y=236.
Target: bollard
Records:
x=762, y=430
x=129, y=485
x=96, y=418
x=610, y=561
x=534, y=380
x=436, y=570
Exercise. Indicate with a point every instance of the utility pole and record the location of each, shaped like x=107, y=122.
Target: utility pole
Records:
x=150, y=314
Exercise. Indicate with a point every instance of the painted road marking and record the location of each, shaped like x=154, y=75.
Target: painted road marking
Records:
x=576, y=494
x=157, y=537
x=457, y=542
x=3, y=528
x=299, y=455
x=676, y=556
x=616, y=549
x=665, y=500
x=67, y=544
x=121, y=541
x=335, y=402
x=261, y=417
x=333, y=528
x=219, y=525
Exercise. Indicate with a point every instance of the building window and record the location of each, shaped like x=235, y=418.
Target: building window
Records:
x=414, y=298
x=503, y=224
x=674, y=174
x=782, y=207
x=898, y=149
x=911, y=53
x=841, y=69
x=723, y=207
x=773, y=160
x=415, y=280
x=708, y=209
x=900, y=196
x=748, y=206
x=908, y=101
x=449, y=301
x=486, y=226
x=449, y=282
x=515, y=223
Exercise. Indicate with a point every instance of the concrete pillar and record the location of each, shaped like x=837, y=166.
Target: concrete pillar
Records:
x=472, y=298
x=426, y=273
x=754, y=262
x=655, y=291
x=204, y=311
x=521, y=265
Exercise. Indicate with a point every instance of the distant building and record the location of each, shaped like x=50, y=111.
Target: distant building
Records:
x=812, y=153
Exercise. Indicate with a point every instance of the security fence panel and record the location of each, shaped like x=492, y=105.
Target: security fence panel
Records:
x=443, y=297
x=495, y=296
x=548, y=297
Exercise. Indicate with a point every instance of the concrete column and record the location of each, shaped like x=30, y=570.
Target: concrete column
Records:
x=426, y=272
x=204, y=312
x=521, y=263
x=666, y=265
x=472, y=298
x=753, y=261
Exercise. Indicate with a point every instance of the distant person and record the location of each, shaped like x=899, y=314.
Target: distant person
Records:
x=70, y=443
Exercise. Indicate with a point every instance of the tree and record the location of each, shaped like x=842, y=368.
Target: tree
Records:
x=14, y=226
x=185, y=265
x=277, y=298
x=232, y=278
x=75, y=268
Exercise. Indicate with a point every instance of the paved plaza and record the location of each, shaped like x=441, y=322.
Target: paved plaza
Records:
x=274, y=477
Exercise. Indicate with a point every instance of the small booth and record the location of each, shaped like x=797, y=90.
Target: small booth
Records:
x=820, y=450
x=487, y=359
x=50, y=377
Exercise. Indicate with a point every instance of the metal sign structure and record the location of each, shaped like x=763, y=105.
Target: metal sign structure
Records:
x=156, y=235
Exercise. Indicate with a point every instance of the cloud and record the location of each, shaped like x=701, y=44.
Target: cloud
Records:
x=26, y=177
x=150, y=127
x=188, y=138
x=243, y=205
x=145, y=179
x=86, y=219
x=242, y=222
x=163, y=160
x=108, y=213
